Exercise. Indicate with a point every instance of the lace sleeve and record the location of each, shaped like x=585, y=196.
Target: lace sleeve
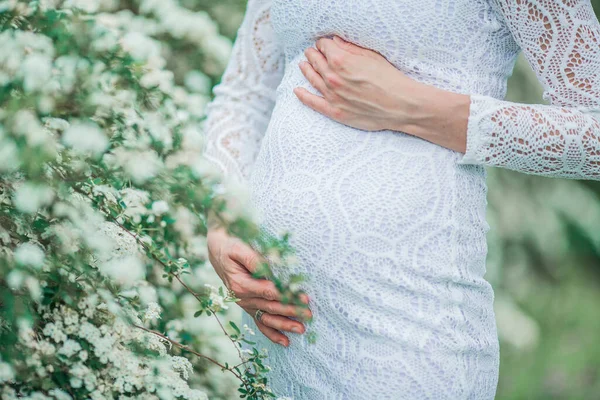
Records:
x=561, y=41
x=239, y=114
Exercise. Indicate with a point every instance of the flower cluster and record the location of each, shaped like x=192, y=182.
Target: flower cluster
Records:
x=105, y=286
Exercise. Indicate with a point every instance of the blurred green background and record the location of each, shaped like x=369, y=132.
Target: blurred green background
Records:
x=544, y=262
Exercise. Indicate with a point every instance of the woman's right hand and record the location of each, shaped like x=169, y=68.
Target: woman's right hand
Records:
x=235, y=261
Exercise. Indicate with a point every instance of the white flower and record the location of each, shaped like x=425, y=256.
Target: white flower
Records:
x=7, y=374
x=27, y=124
x=147, y=293
x=69, y=348
x=248, y=329
x=158, y=78
x=185, y=222
x=36, y=70
x=140, y=46
x=33, y=285
x=160, y=207
x=183, y=366
x=152, y=312
x=57, y=124
x=126, y=271
x=15, y=279
x=85, y=137
x=9, y=154
x=136, y=201
x=29, y=254
x=30, y=197
x=219, y=47
x=59, y=394
x=84, y=5
x=197, y=81
x=217, y=301
x=139, y=165
x=55, y=332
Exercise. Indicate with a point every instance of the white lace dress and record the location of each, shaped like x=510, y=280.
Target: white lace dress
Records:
x=390, y=228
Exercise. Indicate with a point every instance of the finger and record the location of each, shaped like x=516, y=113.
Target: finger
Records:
x=327, y=47
x=282, y=323
x=313, y=77
x=273, y=334
x=275, y=307
x=304, y=298
x=247, y=256
x=317, y=103
x=348, y=46
x=318, y=61
x=246, y=287
x=333, y=52
x=355, y=49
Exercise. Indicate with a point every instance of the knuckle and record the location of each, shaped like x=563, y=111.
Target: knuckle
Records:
x=235, y=248
x=335, y=100
x=266, y=319
x=238, y=289
x=261, y=327
x=268, y=294
x=272, y=308
x=250, y=259
x=242, y=303
x=333, y=81
x=337, y=61
x=337, y=113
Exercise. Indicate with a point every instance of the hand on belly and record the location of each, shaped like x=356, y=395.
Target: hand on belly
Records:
x=361, y=89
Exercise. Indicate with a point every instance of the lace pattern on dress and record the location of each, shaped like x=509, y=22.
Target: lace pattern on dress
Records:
x=239, y=115
x=561, y=41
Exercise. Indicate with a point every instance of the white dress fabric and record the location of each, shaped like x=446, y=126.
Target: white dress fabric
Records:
x=390, y=228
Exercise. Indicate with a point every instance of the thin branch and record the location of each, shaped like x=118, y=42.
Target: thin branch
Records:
x=186, y=348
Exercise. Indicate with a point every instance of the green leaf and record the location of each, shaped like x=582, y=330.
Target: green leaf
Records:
x=234, y=326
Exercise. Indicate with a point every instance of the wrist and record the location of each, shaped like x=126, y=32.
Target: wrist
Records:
x=437, y=115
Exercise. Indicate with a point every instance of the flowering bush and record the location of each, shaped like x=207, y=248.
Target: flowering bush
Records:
x=105, y=288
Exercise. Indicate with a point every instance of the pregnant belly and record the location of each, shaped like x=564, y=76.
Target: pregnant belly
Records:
x=337, y=189
x=389, y=230
x=380, y=221
x=390, y=233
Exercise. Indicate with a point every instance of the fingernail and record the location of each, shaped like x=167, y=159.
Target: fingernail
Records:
x=297, y=329
x=282, y=342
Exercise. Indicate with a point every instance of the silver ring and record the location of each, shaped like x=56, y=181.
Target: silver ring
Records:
x=258, y=314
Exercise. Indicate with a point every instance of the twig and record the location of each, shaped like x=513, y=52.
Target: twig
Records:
x=186, y=348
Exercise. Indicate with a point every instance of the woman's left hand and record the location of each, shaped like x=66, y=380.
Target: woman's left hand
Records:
x=361, y=89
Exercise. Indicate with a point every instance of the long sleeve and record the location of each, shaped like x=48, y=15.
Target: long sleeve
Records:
x=561, y=41
x=239, y=114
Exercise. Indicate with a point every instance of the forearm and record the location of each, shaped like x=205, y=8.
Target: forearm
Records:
x=535, y=139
